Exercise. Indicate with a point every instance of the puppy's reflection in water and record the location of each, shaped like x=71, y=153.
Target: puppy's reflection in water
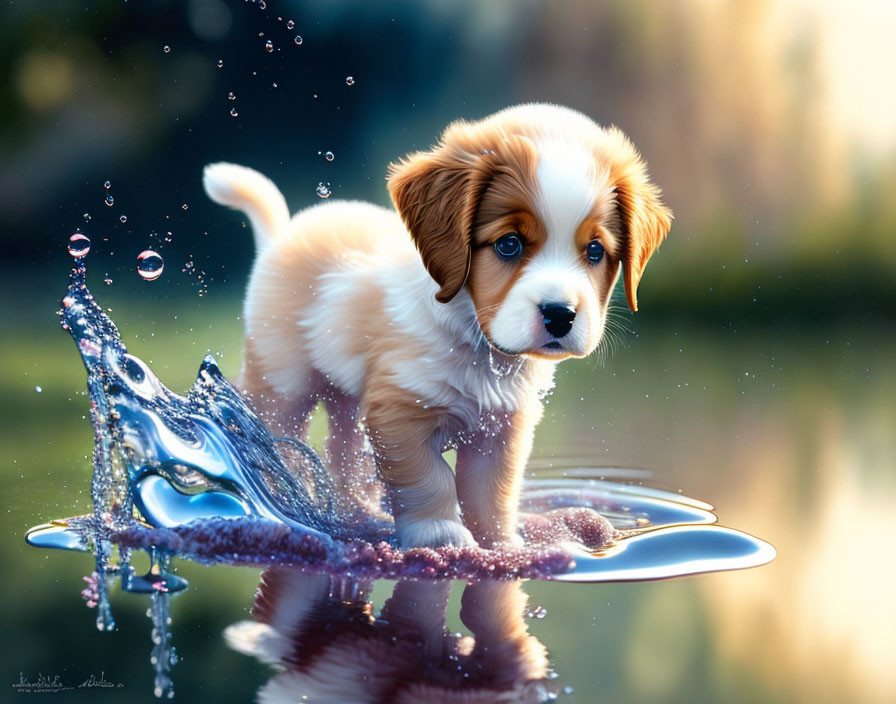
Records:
x=328, y=646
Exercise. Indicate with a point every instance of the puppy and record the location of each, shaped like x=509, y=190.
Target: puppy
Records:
x=440, y=325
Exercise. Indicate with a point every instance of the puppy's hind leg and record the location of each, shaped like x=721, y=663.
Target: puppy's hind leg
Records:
x=349, y=455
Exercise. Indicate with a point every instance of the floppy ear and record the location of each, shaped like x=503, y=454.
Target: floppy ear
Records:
x=645, y=220
x=437, y=194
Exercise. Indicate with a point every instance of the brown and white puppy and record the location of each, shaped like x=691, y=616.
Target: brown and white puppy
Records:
x=441, y=325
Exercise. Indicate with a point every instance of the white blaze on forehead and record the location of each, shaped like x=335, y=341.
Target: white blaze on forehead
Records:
x=567, y=191
x=570, y=184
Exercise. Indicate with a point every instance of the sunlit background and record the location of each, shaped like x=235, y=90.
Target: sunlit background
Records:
x=759, y=375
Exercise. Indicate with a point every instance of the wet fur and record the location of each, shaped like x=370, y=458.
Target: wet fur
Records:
x=410, y=329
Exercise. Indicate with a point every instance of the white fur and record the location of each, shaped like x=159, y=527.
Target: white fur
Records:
x=459, y=373
x=247, y=190
x=568, y=188
x=434, y=532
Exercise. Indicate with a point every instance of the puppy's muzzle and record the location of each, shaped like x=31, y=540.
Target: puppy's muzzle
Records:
x=558, y=318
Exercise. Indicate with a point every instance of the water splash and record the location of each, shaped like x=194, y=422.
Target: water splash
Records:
x=202, y=478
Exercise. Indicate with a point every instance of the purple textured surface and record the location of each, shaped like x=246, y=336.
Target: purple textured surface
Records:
x=257, y=542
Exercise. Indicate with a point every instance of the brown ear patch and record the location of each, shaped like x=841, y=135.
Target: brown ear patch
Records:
x=436, y=193
x=645, y=220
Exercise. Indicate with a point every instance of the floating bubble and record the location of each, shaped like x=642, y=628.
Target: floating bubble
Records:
x=220, y=63
x=231, y=95
x=269, y=46
x=298, y=39
x=107, y=185
x=78, y=245
x=166, y=49
x=38, y=389
x=262, y=5
x=323, y=190
x=87, y=217
x=107, y=281
x=290, y=24
x=329, y=156
x=233, y=112
x=349, y=81
x=123, y=218
x=150, y=265
x=109, y=199
x=184, y=206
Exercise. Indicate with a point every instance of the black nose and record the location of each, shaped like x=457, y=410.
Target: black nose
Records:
x=558, y=318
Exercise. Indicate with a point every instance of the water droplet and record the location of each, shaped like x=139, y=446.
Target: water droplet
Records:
x=349, y=81
x=538, y=612
x=290, y=24
x=166, y=49
x=298, y=39
x=78, y=245
x=38, y=389
x=233, y=112
x=220, y=63
x=269, y=45
x=109, y=199
x=123, y=218
x=329, y=156
x=150, y=265
x=107, y=185
x=323, y=190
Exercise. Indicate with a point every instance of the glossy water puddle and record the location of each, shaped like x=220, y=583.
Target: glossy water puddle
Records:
x=200, y=477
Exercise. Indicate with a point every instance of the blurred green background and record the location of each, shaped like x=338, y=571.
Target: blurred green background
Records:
x=758, y=376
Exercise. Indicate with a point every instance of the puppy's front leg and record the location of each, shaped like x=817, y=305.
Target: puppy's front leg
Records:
x=408, y=455
x=490, y=473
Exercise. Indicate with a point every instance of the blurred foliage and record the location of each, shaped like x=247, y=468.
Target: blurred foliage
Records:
x=731, y=104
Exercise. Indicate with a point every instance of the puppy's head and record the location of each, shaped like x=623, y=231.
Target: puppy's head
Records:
x=534, y=211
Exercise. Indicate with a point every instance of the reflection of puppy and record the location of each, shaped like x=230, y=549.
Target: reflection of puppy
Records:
x=521, y=222
x=330, y=648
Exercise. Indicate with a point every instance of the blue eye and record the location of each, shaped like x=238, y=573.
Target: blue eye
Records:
x=509, y=247
x=595, y=251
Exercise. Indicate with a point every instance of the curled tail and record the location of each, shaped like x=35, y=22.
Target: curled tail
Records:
x=247, y=190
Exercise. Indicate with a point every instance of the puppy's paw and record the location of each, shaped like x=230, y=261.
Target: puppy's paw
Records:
x=500, y=540
x=434, y=533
